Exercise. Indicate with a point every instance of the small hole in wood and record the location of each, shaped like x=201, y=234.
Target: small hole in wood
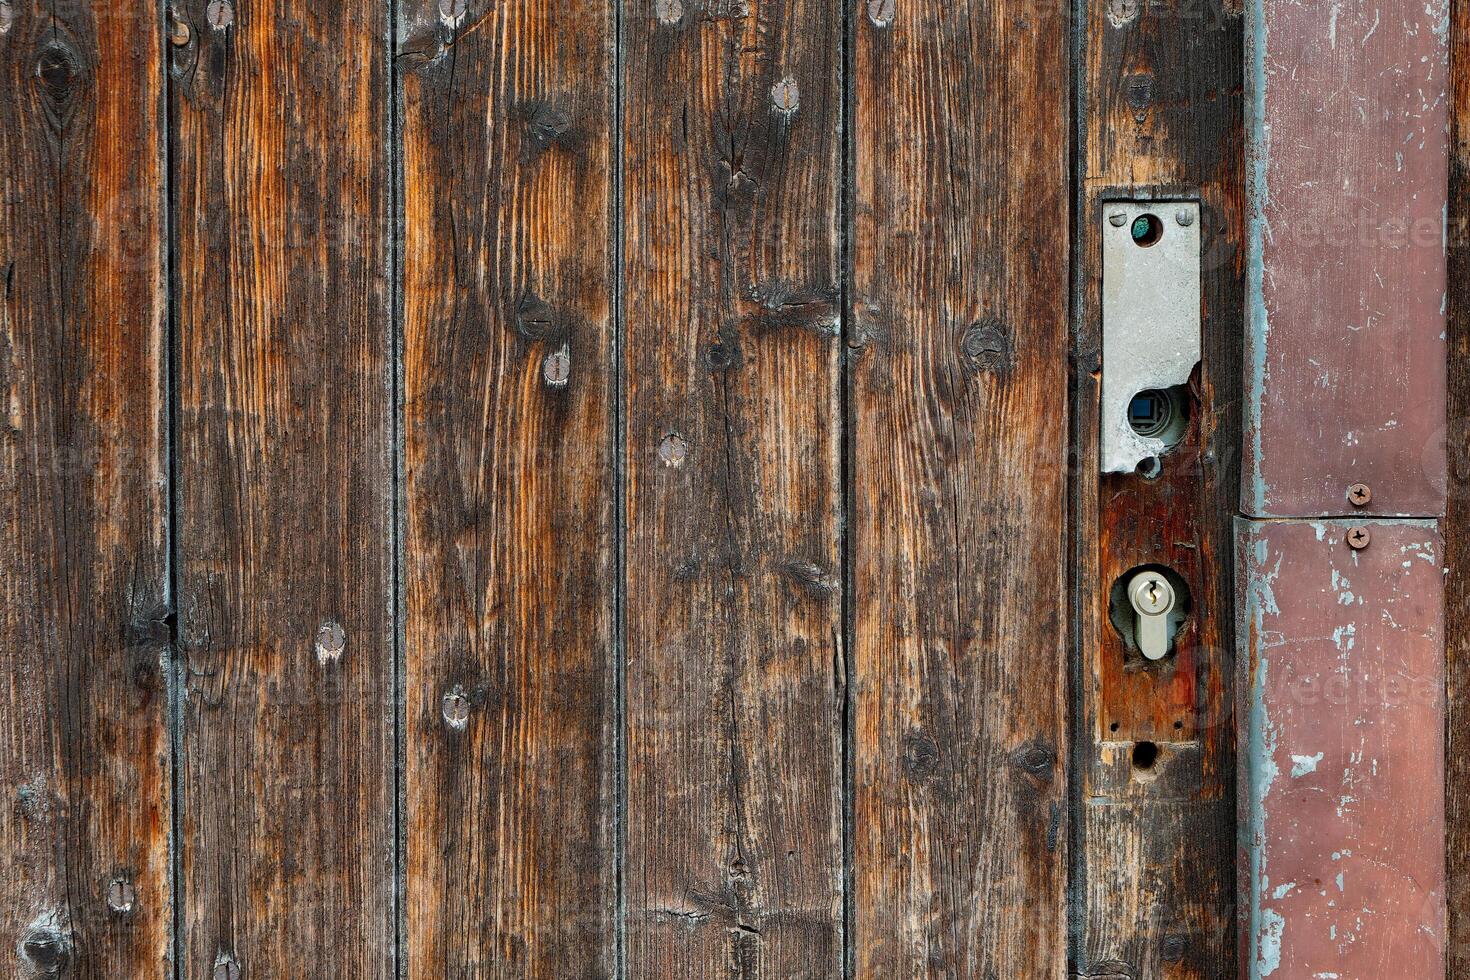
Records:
x=1145, y=754
x=1147, y=230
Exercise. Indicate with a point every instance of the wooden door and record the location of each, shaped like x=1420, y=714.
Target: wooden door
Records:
x=529, y=489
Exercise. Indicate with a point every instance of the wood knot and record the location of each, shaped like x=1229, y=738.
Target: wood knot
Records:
x=59, y=71
x=1138, y=92
x=546, y=125
x=812, y=578
x=920, y=756
x=987, y=347
x=720, y=357
x=46, y=949
x=1035, y=759
x=1174, y=947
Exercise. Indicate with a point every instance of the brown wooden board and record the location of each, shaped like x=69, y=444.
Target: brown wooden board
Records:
x=1457, y=521
x=284, y=442
x=734, y=578
x=84, y=750
x=508, y=542
x=1159, y=91
x=959, y=416
x=1341, y=682
x=1345, y=379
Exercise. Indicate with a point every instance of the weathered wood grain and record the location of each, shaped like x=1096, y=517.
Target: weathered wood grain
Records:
x=1160, y=118
x=284, y=444
x=1456, y=526
x=959, y=416
x=1349, y=254
x=84, y=750
x=735, y=660
x=1341, y=685
x=509, y=545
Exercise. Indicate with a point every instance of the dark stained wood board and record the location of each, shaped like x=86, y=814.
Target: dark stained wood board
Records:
x=509, y=548
x=85, y=889
x=735, y=662
x=958, y=328
x=1159, y=91
x=1456, y=527
x=283, y=443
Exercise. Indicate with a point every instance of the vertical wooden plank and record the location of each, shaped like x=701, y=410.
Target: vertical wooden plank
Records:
x=84, y=752
x=1346, y=349
x=1457, y=518
x=1160, y=118
x=735, y=661
x=1342, y=694
x=959, y=404
x=509, y=542
x=285, y=480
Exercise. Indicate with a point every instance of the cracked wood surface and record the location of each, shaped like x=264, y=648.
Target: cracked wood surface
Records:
x=509, y=547
x=958, y=415
x=734, y=659
x=283, y=454
x=85, y=888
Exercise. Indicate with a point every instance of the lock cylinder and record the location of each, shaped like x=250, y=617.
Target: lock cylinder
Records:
x=1148, y=607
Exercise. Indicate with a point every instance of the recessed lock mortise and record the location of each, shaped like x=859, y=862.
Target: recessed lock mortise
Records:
x=1151, y=330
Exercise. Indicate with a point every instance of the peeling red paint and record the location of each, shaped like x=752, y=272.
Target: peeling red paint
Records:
x=1342, y=771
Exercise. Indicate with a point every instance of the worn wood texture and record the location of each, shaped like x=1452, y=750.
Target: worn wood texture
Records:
x=84, y=752
x=284, y=444
x=1457, y=520
x=1341, y=683
x=959, y=409
x=508, y=546
x=1345, y=381
x=1160, y=118
x=734, y=653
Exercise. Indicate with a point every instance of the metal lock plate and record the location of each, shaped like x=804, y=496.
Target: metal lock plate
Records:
x=1151, y=328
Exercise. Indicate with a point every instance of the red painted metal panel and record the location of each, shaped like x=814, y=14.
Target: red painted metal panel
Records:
x=1348, y=181
x=1342, y=807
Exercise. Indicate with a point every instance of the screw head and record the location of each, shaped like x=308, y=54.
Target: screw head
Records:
x=1117, y=219
x=1358, y=538
x=1185, y=217
x=1360, y=495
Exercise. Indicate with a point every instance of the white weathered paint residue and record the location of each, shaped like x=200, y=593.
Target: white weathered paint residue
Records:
x=1283, y=890
x=1268, y=943
x=1301, y=765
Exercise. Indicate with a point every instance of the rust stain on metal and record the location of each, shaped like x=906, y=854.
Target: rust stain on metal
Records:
x=1341, y=717
x=1345, y=371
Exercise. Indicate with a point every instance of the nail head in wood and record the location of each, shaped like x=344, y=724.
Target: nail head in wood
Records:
x=456, y=709
x=557, y=368
x=880, y=12
x=179, y=31
x=122, y=897
x=331, y=640
x=220, y=14
x=668, y=12
x=7, y=18
x=1360, y=495
x=1359, y=538
x=226, y=967
x=785, y=95
x=451, y=11
x=673, y=450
